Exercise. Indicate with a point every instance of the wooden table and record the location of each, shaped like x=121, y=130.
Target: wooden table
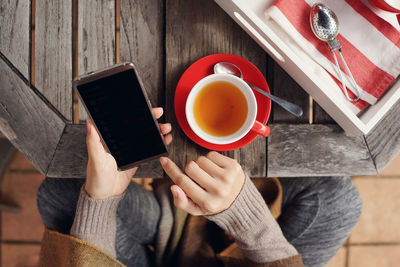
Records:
x=44, y=44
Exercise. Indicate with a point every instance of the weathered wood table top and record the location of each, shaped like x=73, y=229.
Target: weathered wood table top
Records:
x=44, y=44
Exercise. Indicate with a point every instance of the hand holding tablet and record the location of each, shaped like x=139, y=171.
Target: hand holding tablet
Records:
x=103, y=179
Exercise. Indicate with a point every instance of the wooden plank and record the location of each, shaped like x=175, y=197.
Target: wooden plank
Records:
x=53, y=53
x=282, y=85
x=14, y=33
x=320, y=115
x=141, y=33
x=6, y=152
x=142, y=42
x=26, y=120
x=96, y=38
x=195, y=29
x=296, y=150
x=384, y=139
x=70, y=158
x=253, y=157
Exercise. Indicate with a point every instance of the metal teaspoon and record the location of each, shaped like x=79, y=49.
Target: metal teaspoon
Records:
x=325, y=25
x=229, y=68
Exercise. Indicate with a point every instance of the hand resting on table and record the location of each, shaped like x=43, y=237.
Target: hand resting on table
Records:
x=209, y=185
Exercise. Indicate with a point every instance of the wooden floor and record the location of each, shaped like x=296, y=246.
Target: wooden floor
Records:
x=374, y=242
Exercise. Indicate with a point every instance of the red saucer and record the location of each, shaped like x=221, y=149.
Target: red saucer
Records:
x=204, y=67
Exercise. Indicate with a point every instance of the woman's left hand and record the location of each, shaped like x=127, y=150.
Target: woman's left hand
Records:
x=103, y=180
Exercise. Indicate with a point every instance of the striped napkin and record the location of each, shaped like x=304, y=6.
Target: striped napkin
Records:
x=370, y=44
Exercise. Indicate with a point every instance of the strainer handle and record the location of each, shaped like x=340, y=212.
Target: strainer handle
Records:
x=342, y=79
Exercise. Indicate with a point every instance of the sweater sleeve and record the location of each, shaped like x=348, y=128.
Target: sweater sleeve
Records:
x=255, y=230
x=95, y=221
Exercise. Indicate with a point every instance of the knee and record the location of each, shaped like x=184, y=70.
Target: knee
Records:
x=48, y=191
x=46, y=199
x=345, y=188
x=343, y=200
x=56, y=202
x=43, y=199
x=42, y=194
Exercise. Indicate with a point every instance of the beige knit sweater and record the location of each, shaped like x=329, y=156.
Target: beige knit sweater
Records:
x=248, y=220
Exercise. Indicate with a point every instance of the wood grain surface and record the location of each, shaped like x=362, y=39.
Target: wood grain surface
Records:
x=26, y=120
x=141, y=33
x=282, y=85
x=14, y=33
x=7, y=151
x=142, y=42
x=297, y=150
x=163, y=38
x=53, y=53
x=70, y=158
x=384, y=139
x=320, y=116
x=195, y=29
x=96, y=38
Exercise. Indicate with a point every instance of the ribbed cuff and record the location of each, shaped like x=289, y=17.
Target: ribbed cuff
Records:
x=254, y=228
x=246, y=212
x=95, y=221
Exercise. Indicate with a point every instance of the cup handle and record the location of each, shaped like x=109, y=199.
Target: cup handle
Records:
x=261, y=129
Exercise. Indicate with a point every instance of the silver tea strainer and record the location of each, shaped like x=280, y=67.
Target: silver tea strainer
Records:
x=325, y=25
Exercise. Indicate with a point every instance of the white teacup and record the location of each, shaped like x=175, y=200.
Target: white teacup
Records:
x=250, y=123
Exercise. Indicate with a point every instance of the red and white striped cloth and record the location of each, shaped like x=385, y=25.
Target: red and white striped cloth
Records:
x=370, y=44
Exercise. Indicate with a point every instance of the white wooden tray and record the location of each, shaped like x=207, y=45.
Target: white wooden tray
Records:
x=307, y=73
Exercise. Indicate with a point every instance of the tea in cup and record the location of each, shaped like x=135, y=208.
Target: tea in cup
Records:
x=222, y=109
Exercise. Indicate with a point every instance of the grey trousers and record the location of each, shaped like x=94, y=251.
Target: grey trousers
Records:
x=318, y=215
